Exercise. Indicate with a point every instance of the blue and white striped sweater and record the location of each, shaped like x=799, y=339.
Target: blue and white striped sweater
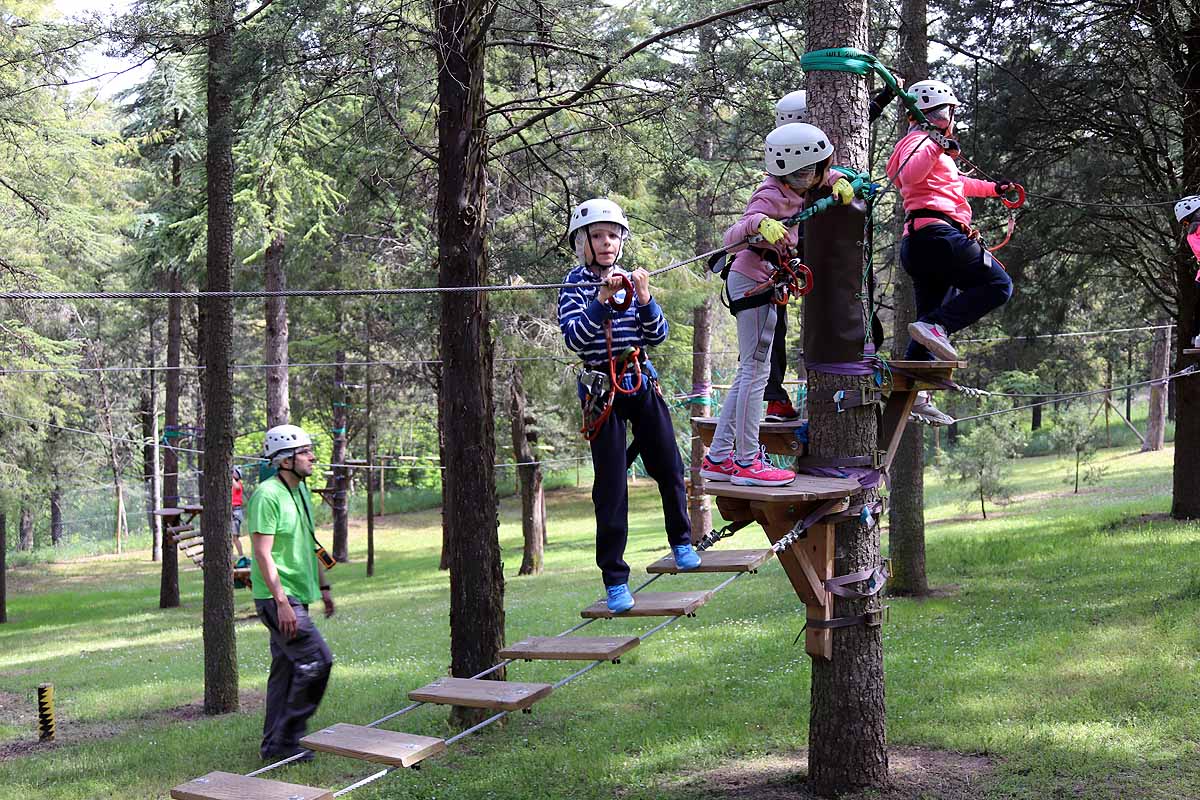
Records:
x=581, y=318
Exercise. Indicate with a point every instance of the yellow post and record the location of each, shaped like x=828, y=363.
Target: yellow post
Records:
x=45, y=695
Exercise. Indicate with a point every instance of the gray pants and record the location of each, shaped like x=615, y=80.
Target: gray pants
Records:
x=299, y=673
x=742, y=410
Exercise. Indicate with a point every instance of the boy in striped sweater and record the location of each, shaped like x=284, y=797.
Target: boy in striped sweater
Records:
x=605, y=336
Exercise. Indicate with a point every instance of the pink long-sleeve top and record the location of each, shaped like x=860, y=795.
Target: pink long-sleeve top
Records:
x=930, y=180
x=773, y=198
x=1193, y=240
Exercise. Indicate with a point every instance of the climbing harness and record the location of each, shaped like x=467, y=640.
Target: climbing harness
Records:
x=601, y=388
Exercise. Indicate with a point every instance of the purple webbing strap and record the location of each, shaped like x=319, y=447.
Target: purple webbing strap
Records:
x=840, y=584
x=866, y=366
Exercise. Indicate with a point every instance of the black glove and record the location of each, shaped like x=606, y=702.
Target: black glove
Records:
x=1004, y=186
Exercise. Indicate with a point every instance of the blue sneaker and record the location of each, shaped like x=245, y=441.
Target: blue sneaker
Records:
x=619, y=599
x=686, y=556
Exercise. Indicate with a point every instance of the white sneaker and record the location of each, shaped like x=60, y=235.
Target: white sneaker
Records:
x=1196, y=341
x=923, y=410
x=935, y=340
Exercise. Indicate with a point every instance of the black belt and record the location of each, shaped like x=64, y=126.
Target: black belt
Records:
x=929, y=213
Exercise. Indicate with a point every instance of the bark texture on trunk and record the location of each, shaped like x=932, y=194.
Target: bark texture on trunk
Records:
x=529, y=473
x=476, y=575
x=906, y=501
x=275, y=350
x=3, y=567
x=56, y=515
x=220, y=643
x=1156, y=422
x=25, y=528
x=847, y=722
x=339, y=479
x=148, y=411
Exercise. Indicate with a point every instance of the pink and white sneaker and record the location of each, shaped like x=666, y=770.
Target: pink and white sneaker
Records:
x=712, y=471
x=935, y=340
x=761, y=473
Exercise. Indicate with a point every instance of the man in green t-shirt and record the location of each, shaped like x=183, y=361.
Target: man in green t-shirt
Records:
x=285, y=577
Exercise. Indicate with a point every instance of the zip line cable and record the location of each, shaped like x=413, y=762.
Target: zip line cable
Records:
x=1064, y=335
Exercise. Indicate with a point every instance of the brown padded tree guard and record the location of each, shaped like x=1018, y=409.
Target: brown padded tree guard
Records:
x=833, y=323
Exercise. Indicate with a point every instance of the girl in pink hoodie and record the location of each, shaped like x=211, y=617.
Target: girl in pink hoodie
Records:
x=797, y=157
x=1187, y=214
x=955, y=280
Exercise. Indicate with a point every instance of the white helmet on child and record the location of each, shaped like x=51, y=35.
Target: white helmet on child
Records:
x=598, y=209
x=283, y=440
x=931, y=94
x=794, y=146
x=1186, y=207
x=792, y=107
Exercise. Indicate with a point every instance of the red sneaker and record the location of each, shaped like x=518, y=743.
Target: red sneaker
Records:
x=781, y=411
x=761, y=473
x=712, y=471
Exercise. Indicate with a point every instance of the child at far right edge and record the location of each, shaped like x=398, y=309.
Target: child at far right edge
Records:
x=955, y=280
x=1187, y=214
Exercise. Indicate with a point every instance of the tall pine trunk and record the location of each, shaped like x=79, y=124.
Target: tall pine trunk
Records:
x=56, y=515
x=168, y=587
x=906, y=509
x=847, y=724
x=3, y=567
x=1156, y=422
x=476, y=577
x=220, y=644
x=339, y=479
x=275, y=349
x=25, y=528
x=529, y=473
x=148, y=411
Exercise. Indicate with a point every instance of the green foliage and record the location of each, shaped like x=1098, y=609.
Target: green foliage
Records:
x=1075, y=436
x=981, y=458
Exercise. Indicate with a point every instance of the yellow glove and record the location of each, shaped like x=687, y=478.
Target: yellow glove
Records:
x=772, y=230
x=843, y=191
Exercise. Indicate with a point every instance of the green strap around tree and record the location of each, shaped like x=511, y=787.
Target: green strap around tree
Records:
x=859, y=62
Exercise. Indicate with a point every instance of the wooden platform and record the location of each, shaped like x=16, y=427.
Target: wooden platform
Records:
x=1191, y=351
x=498, y=695
x=571, y=648
x=652, y=604
x=227, y=786
x=923, y=374
x=805, y=489
x=374, y=744
x=778, y=437
x=717, y=561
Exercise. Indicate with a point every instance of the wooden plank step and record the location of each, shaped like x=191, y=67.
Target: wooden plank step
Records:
x=373, y=744
x=183, y=537
x=242, y=573
x=193, y=508
x=499, y=695
x=805, y=488
x=778, y=437
x=717, y=561
x=921, y=374
x=167, y=512
x=1191, y=351
x=571, y=648
x=653, y=604
x=176, y=529
x=227, y=786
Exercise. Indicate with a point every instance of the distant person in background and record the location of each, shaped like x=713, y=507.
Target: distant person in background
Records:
x=239, y=515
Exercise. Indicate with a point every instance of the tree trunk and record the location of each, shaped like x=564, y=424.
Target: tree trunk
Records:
x=699, y=508
x=275, y=350
x=220, y=643
x=339, y=480
x=1156, y=422
x=847, y=724
x=168, y=587
x=444, y=559
x=982, y=507
x=1036, y=424
x=148, y=411
x=476, y=575
x=25, y=529
x=906, y=509
x=3, y=567
x=372, y=473
x=56, y=520
x=533, y=498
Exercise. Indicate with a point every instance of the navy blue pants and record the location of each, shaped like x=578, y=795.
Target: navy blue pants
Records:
x=654, y=436
x=955, y=280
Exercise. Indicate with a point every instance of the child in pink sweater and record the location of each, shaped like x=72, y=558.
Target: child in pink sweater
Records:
x=955, y=280
x=1187, y=214
x=797, y=158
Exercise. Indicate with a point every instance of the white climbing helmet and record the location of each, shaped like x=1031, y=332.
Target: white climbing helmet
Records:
x=931, y=94
x=283, y=440
x=792, y=107
x=598, y=209
x=1186, y=207
x=794, y=146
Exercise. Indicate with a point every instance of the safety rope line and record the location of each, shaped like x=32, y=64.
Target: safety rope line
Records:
x=1190, y=370
x=1064, y=335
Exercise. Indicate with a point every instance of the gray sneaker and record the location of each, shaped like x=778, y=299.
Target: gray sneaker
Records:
x=924, y=411
x=935, y=340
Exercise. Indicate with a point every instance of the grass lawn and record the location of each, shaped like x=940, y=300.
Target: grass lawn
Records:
x=1066, y=652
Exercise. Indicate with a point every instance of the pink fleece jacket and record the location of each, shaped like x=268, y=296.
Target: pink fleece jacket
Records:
x=773, y=198
x=1193, y=239
x=930, y=180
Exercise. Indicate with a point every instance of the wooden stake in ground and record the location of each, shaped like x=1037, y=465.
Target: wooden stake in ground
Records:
x=529, y=475
x=1156, y=421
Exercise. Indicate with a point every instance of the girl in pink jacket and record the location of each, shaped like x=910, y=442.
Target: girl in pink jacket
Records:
x=955, y=280
x=1187, y=214
x=797, y=157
